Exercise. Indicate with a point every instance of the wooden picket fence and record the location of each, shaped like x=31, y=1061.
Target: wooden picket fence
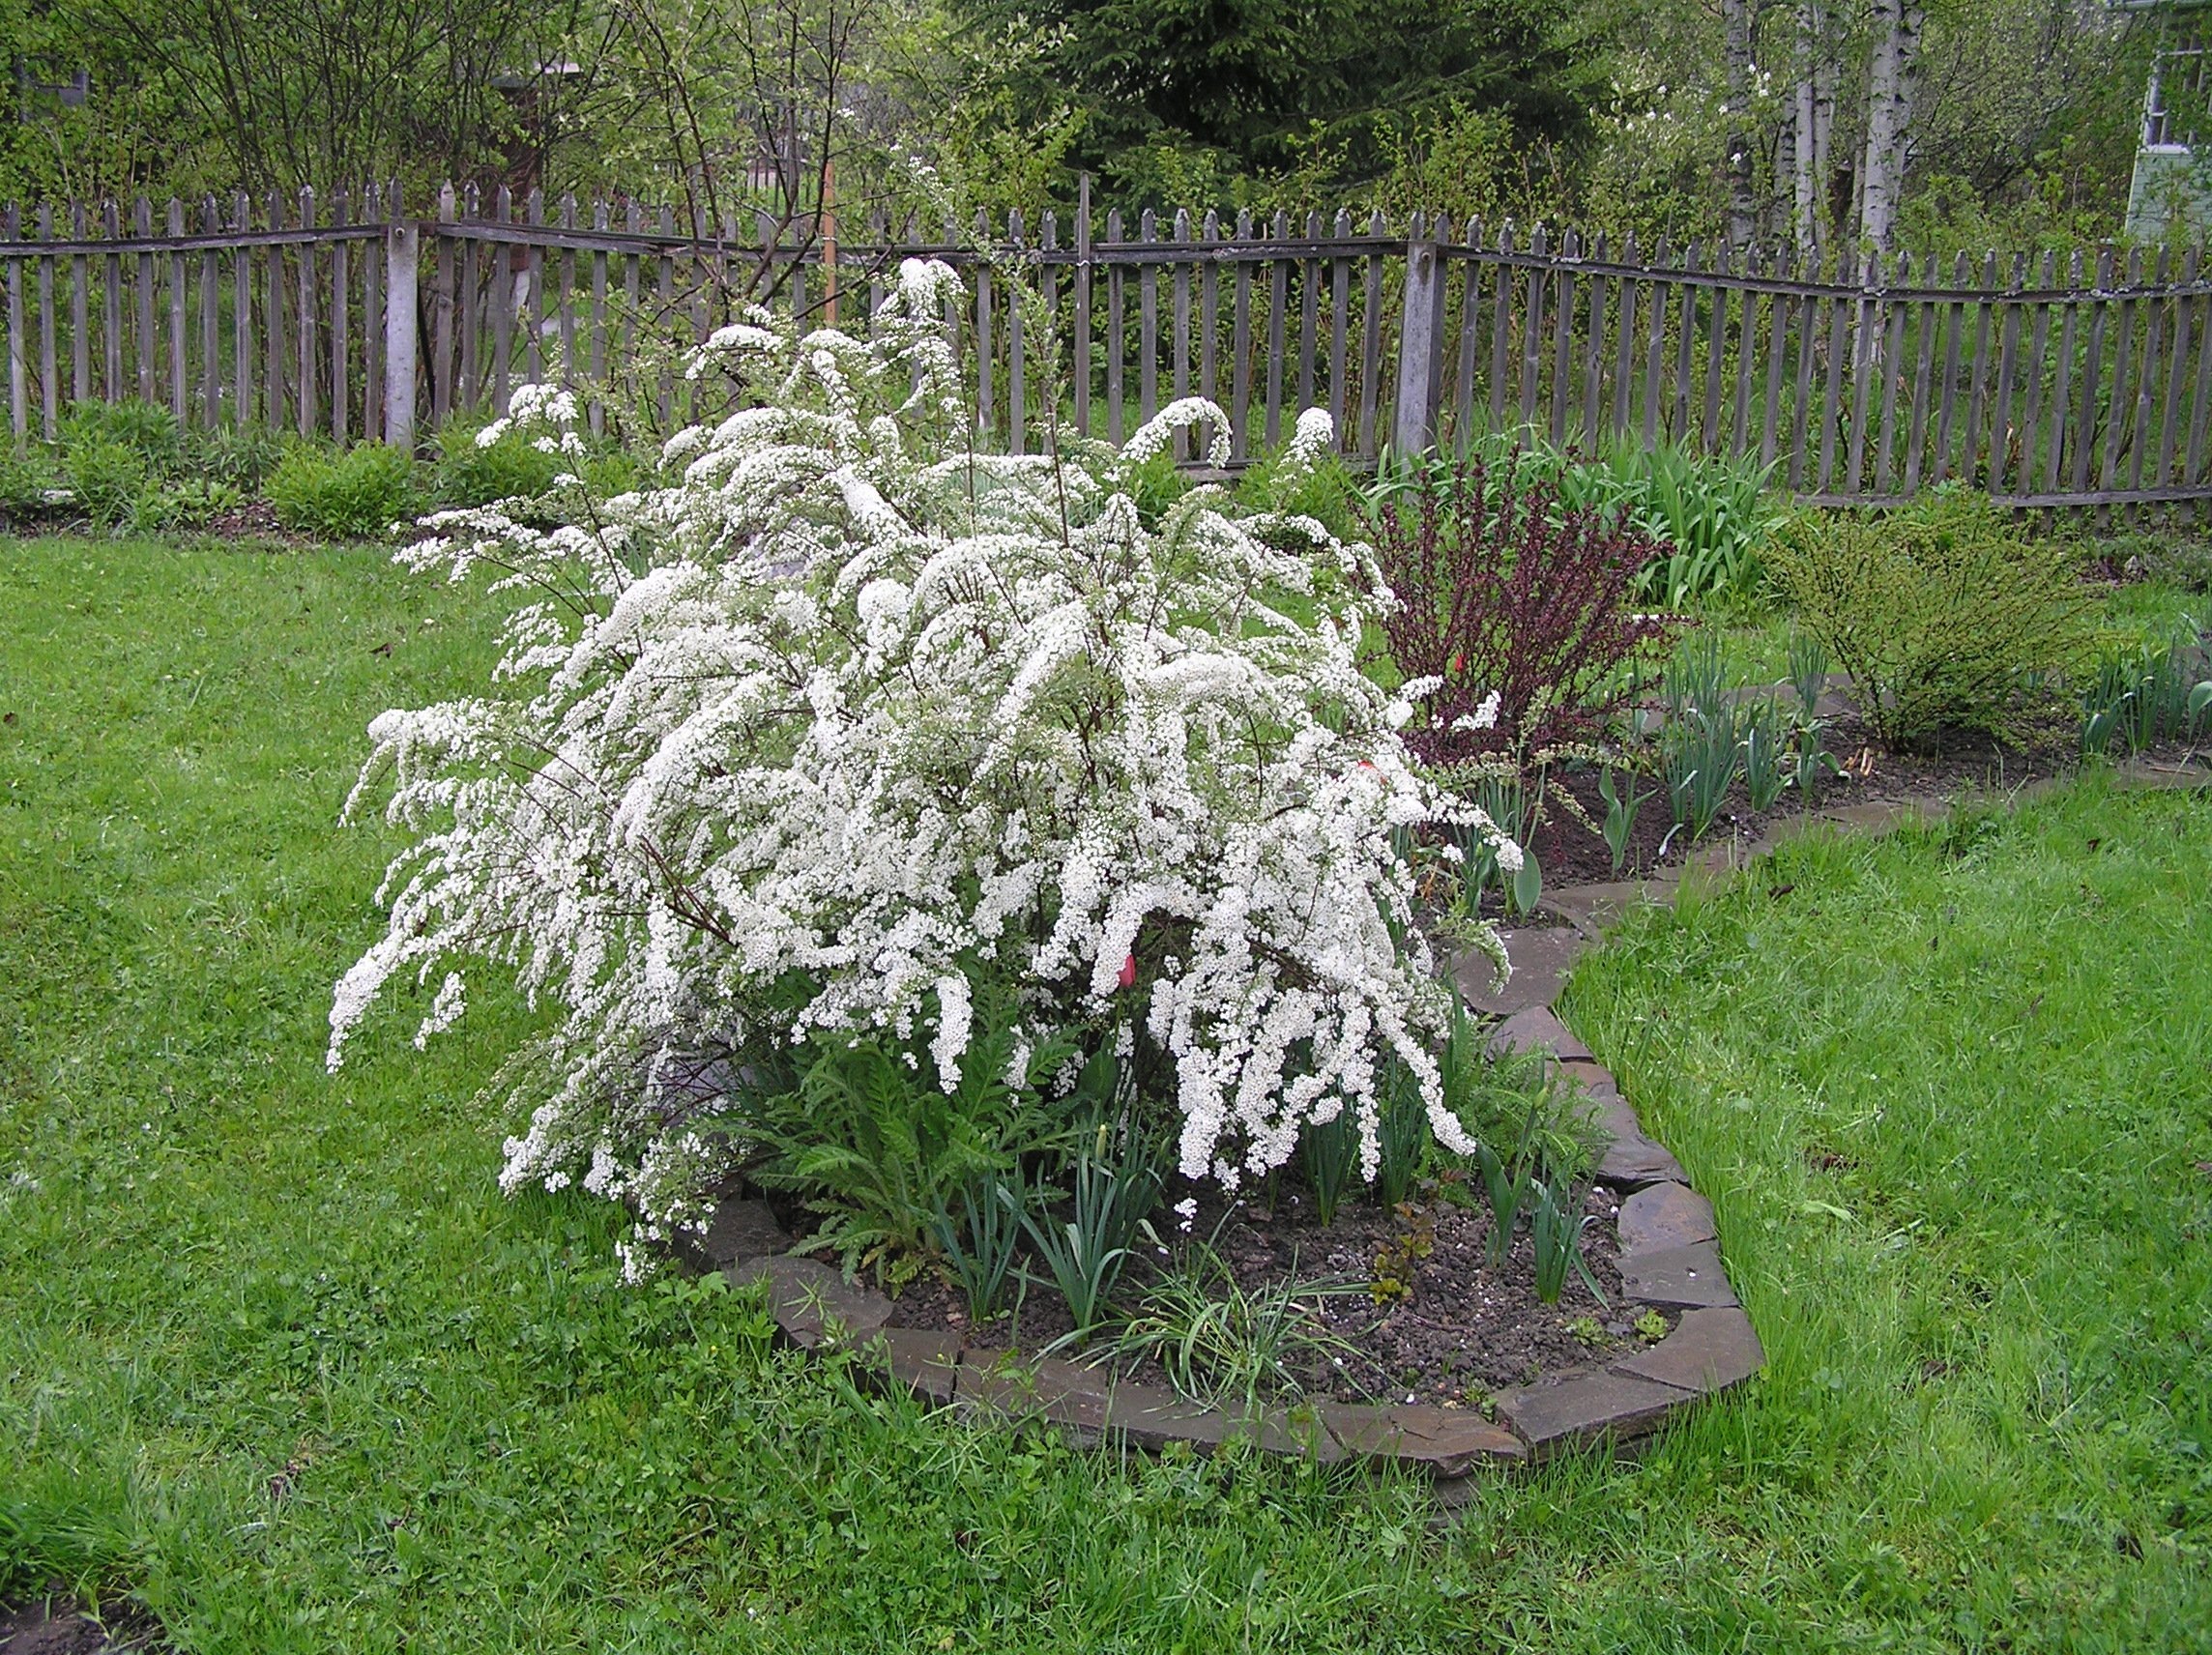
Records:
x=2086, y=383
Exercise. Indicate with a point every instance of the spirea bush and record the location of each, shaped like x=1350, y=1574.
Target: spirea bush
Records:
x=840, y=721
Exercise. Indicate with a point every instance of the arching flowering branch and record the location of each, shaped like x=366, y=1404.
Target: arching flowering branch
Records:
x=840, y=716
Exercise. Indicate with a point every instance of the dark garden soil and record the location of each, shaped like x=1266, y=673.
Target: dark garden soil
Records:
x=1571, y=854
x=1463, y=1331
x=58, y=1626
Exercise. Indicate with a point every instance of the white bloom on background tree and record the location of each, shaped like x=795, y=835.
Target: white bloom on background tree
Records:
x=841, y=713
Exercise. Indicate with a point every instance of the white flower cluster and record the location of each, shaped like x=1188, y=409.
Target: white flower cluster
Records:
x=842, y=715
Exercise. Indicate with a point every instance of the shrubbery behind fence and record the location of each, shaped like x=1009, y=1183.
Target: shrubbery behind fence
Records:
x=2048, y=382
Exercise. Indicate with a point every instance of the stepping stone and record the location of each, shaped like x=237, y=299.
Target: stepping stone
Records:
x=1583, y=1408
x=806, y=1296
x=1686, y=1278
x=1444, y=1441
x=738, y=1231
x=1596, y=908
x=1542, y=955
x=1151, y=1416
x=1536, y=1030
x=1709, y=1350
x=1632, y=1160
x=1884, y=815
x=1595, y=1080
x=924, y=1361
x=1665, y=1215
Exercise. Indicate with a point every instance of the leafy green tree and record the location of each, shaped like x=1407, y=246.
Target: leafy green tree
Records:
x=1259, y=86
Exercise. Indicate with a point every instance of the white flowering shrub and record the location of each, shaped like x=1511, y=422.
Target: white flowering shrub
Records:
x=841, y=716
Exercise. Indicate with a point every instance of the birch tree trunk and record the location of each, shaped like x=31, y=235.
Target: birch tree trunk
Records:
x=1813, y=119
x=1743, y=200
x=1897, y=27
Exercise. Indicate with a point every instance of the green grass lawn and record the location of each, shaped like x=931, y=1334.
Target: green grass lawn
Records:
x=278, y=1358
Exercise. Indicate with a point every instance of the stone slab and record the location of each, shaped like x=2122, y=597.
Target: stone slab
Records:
x=738, y=1231
x=1632, y=1160
x=805, y=1295
x=1685, y=1278
x=1092, y=1405
x=1595, y=1080
x=1447, y=1442
x=924, y=1361
x=1881, y=815
x=1665, y=1215
x=1583, y=1408
x=1709, y=1350
x=1047, y=1388
x=1593, y=908
x=1542, y=956
x=1537, y=1030
x=2140, y=773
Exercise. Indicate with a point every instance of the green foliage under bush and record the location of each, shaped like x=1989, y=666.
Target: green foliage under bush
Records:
x=107, y=477
x=351, y=495
x=1946, y=616
x=474, y=473
x=1712, y=514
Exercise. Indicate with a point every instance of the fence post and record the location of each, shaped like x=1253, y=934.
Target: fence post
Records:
x=1421, y=340
x=400, y=248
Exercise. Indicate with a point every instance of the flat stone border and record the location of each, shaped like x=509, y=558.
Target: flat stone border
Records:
x=1670, y=1260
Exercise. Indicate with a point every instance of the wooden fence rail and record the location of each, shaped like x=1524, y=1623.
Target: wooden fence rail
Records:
x=2079, y=383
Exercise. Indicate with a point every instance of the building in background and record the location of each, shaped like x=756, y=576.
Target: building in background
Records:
x=2169, y=194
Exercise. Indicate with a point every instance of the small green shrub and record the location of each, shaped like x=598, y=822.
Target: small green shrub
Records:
x=149, y=431
x=2183, y=560
x=239, y=455
x=107, y=477
x=351, y=495
x=474, y=473
x=25, y=481
x=1947, y=617
x=188, y=504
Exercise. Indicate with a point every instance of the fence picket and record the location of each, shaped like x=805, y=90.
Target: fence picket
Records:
x=1371, y=343
x=2178, y=357
x=49, y=413
x=306, y=404
x=2008, y=358
x=1978, y=393
x=1309, y=317
x=80, y=307
x=1972, y=379
x=1115, y=342
x=342, y=292
x=2062, y=377
x=1278, y=301
x=1777, y=349
x=273, y=312
x=1082, y=305
x=1182, y=321
x=18, y=368
x=1016, y=389
x=1564, y=334
x=1716, y=347
x=2116, y=406
x=1625, y=335
x=211, y=321
x=2146, y=375
x=1593, y=349
x=1532, y=330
